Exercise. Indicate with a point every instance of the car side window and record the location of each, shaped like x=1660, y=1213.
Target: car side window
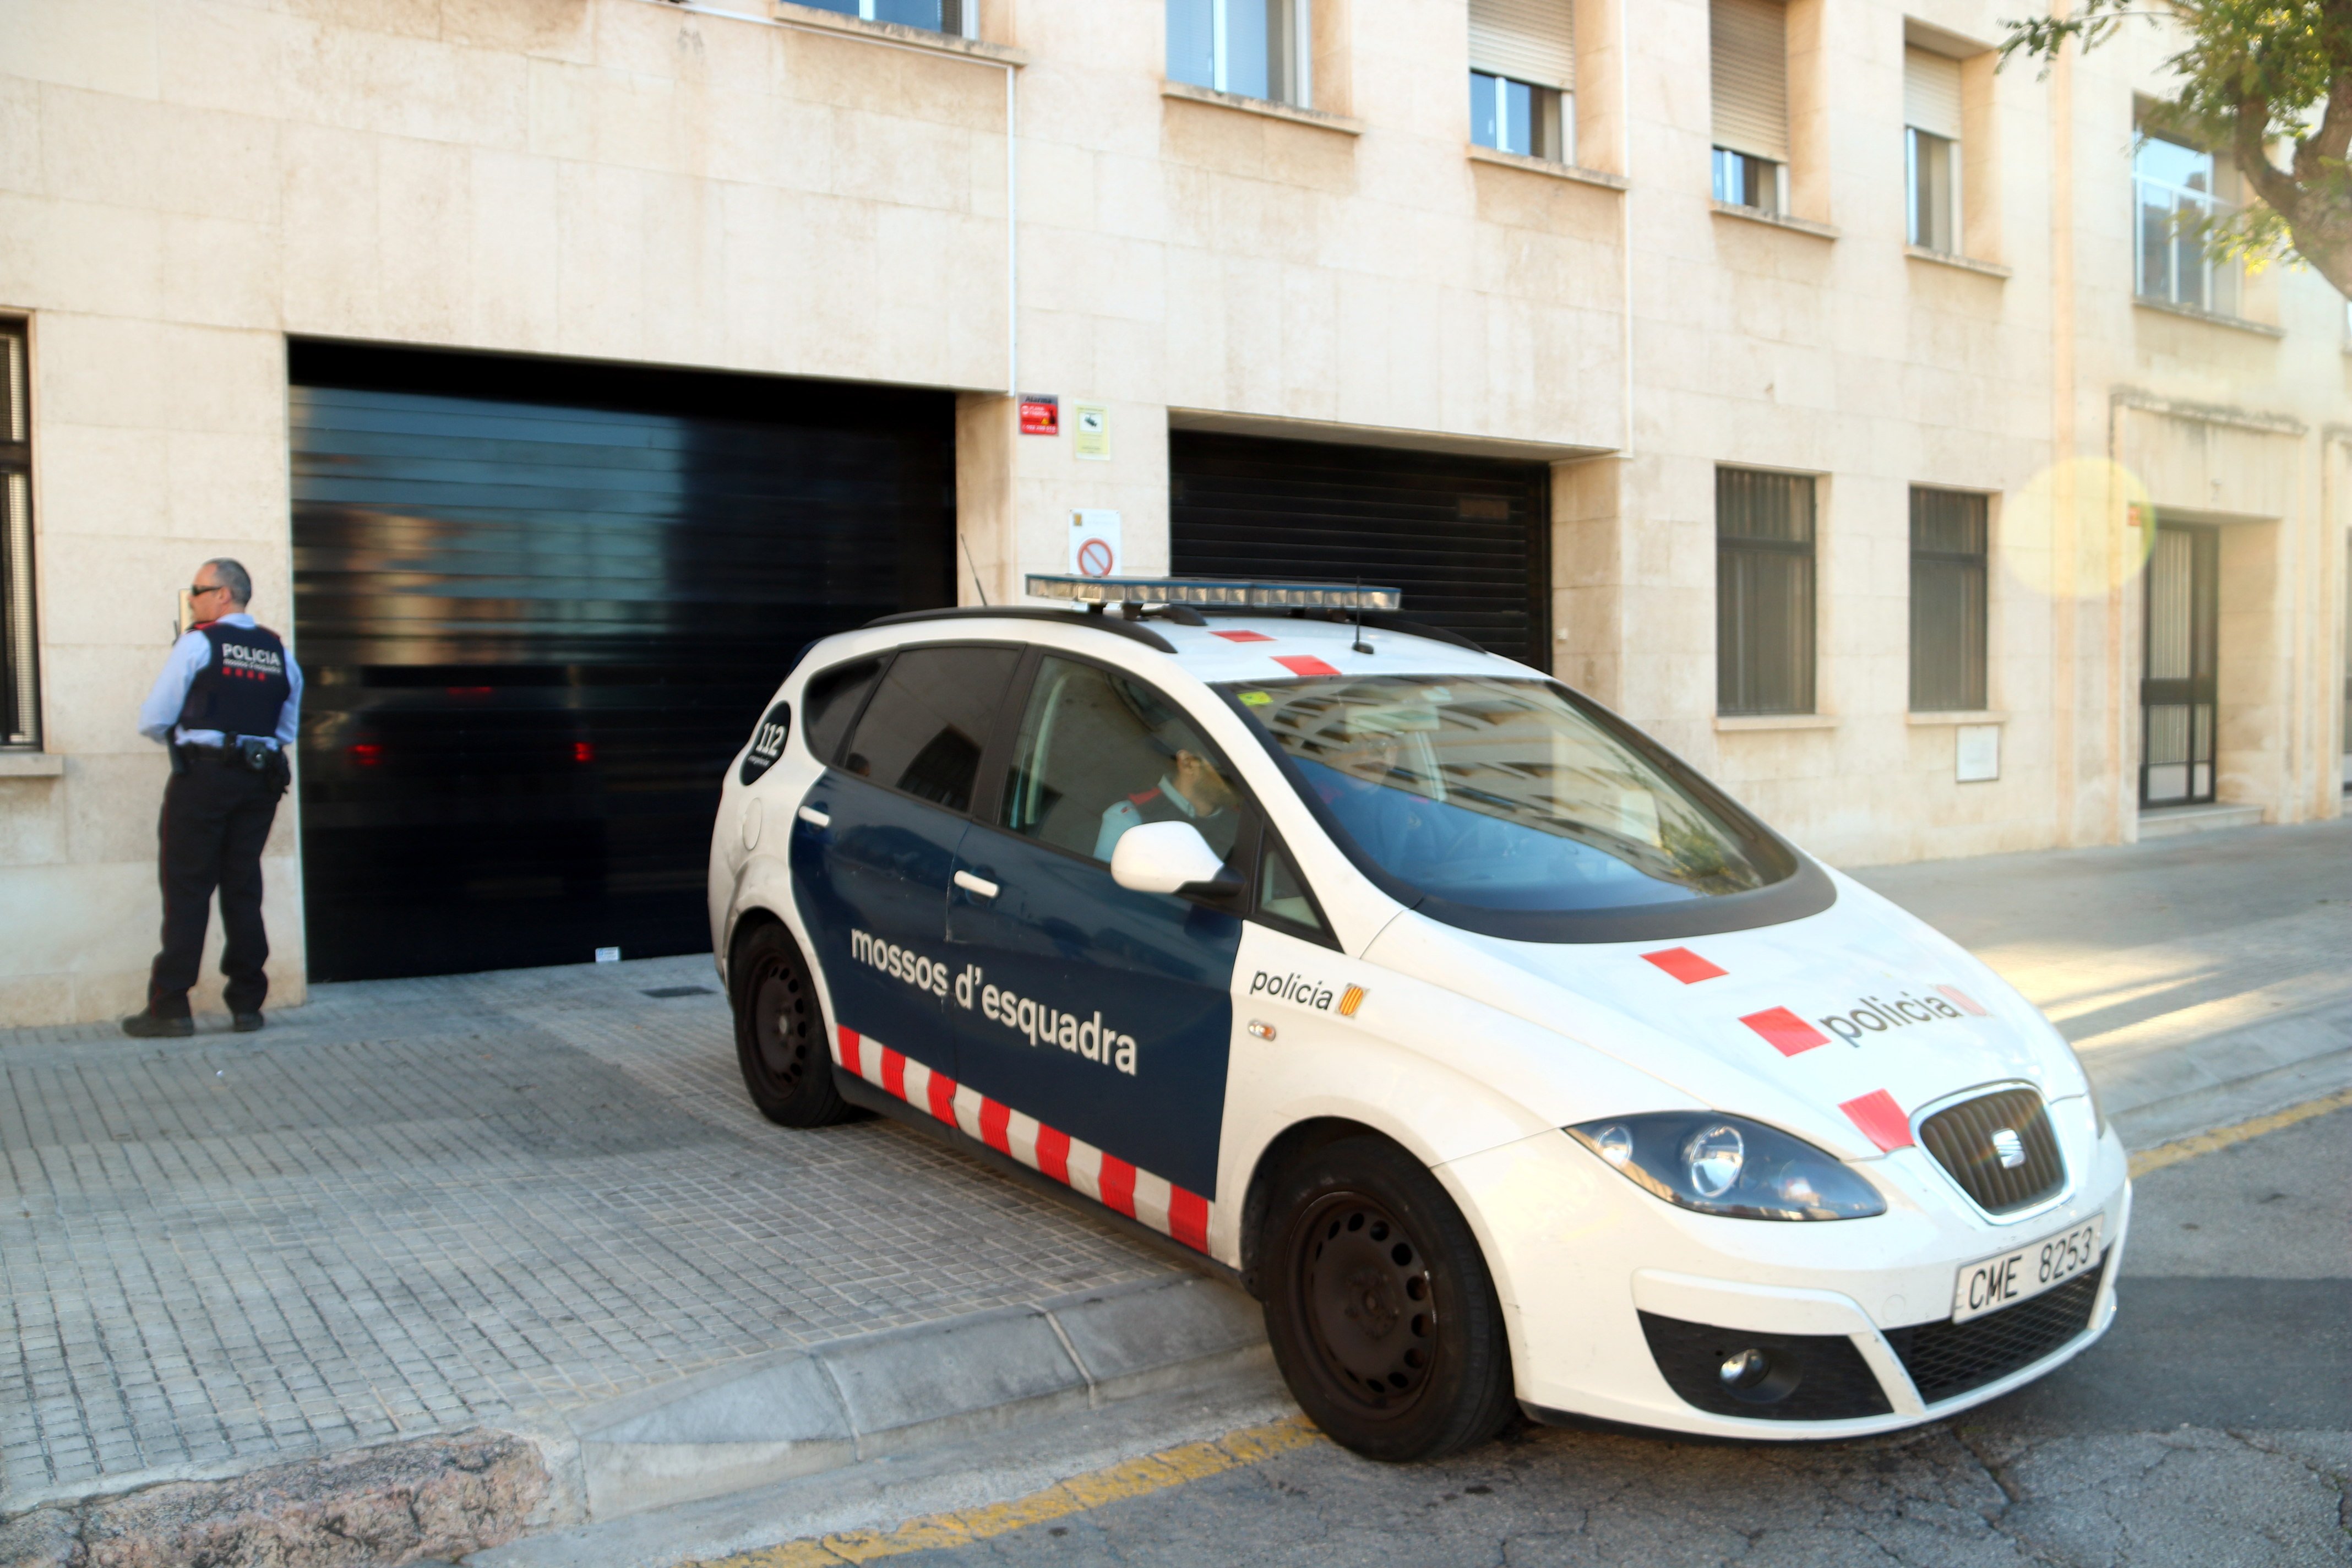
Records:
x=831, y=700
x=1283, y=898
x=1099, y=753
x=929, y=719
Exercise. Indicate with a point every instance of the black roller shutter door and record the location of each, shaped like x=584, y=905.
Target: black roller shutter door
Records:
x=540, y=606
x=1465, y=538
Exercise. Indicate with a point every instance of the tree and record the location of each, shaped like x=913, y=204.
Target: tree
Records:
x=2258, y=78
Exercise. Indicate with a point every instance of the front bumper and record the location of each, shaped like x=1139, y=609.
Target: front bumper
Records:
x=1621, y=1305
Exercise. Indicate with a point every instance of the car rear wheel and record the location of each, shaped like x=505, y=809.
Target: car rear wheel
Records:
x=779, y=1035
x=1382, y=1316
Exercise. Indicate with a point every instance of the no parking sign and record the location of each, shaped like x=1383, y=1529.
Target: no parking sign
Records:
x=1094, y=543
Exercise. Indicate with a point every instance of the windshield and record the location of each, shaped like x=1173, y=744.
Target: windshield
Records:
x=1508, y=794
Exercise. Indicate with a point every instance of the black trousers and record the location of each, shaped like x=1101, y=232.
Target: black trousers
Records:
x=217, y=817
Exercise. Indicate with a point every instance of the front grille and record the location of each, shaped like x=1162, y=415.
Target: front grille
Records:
x=1946, y=1359
x=1815, y=1377
x=1961, y=1139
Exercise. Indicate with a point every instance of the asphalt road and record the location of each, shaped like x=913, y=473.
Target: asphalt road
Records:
x=2212, y=1427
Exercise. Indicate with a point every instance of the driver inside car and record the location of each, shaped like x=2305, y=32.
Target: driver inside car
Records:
x=1192, y=790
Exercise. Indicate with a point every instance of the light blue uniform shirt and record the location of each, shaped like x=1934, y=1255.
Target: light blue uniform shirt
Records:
x=1124, y=815
x=189, y=656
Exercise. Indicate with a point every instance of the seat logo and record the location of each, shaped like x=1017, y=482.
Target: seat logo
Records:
x=2009, y=1147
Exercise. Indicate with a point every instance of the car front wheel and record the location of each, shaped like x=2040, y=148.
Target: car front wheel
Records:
x=780, y=1038
x=1383, y=1318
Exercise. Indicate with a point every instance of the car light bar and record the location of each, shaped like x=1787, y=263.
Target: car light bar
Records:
x=1231, y=593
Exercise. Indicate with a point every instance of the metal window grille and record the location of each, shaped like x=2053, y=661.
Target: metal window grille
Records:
x=1950, y=533
x=1764, y=591
x=20, y=697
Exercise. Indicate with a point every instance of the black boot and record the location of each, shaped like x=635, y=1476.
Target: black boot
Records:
x=154, y=1027
x=245, y=1023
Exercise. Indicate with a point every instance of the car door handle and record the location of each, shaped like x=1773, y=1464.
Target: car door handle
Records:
x=980, y=887
x=815, y=817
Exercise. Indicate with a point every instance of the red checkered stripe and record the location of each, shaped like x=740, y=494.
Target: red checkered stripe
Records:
x=1137, y=1193
x=1878, y=1116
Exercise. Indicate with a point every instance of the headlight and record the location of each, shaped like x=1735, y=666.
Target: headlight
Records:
x=1731, y=1166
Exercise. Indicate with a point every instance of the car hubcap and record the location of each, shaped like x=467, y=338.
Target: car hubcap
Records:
x=1365, y=1291
x=780, y=1019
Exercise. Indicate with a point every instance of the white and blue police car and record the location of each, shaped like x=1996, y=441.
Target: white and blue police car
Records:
x=1506, y=1060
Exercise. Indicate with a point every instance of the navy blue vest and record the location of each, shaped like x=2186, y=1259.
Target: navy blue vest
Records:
x=242, y=690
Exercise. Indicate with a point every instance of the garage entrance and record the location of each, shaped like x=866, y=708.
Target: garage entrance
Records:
x=1466, y=538
x=540, y=605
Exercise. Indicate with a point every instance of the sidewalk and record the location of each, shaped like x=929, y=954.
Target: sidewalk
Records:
x=416, y=1208
x=425, y=1205
x=2203, y=979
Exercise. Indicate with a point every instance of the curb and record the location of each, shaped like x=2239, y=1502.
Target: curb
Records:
x=797, y=1413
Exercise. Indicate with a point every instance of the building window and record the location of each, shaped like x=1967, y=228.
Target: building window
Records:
x=1931, y=148
x=1748, y=43
x=20, y=693
x=2181, y=193
x=1255, y=48
x=1523, y=77
x=1763, y=591
x=1948, y=534
x=959, y=18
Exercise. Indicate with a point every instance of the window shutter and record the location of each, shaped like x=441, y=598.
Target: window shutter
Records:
x=1526, y=40
x=1931, y=93
x=1751, y=41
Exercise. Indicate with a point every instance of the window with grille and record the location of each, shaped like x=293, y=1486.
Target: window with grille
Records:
x=1523, y=77
x=1255, y=48
x=1749, y=49
x=1950, y=532
x=1931, y=148
x=1763, y=591
x=20, y=701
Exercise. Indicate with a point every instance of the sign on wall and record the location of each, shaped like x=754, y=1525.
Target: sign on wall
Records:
x=1092, y=421
x=1041, y=413
x=1094, y=543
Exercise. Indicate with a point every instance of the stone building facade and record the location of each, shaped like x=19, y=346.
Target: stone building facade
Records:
x=1344, y=247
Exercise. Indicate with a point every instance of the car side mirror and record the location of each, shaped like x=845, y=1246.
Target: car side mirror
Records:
x=1169, y=858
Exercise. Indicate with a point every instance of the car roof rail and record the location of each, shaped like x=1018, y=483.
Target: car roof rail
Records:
x=1117, y=626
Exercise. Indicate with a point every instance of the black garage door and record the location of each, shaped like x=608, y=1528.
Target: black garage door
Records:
x=1463, y=537
x=539, y=606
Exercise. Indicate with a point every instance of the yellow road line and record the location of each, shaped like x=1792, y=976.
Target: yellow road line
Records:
x=2172, y=1153
x=1131, y=1479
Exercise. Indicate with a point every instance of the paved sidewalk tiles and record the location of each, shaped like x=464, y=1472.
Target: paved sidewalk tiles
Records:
x=419, y=1205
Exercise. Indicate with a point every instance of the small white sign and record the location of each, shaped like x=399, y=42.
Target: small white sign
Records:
x=1978, y=754
x=1094, y=543
x=608, y=956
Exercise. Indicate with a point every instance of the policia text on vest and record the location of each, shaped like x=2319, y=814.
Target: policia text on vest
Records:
x=227, y=704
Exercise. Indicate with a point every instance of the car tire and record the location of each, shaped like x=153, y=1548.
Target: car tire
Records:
x=779, y=1033
x=1378, y=1302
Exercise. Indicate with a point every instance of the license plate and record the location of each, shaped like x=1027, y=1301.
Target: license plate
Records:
x=2021, y=1274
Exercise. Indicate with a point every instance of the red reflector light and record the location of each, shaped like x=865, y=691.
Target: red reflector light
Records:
x=367, y=756
x=583, y=752
x=469, y=691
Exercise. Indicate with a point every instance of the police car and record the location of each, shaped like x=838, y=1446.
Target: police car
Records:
x=1507, y=1061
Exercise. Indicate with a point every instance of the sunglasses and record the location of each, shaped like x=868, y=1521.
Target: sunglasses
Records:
x=195, y=592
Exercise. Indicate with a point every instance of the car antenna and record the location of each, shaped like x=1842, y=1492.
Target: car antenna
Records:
x=1359, y=644
x=976, y=585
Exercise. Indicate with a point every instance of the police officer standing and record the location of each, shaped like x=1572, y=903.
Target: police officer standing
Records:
x=227, y=705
